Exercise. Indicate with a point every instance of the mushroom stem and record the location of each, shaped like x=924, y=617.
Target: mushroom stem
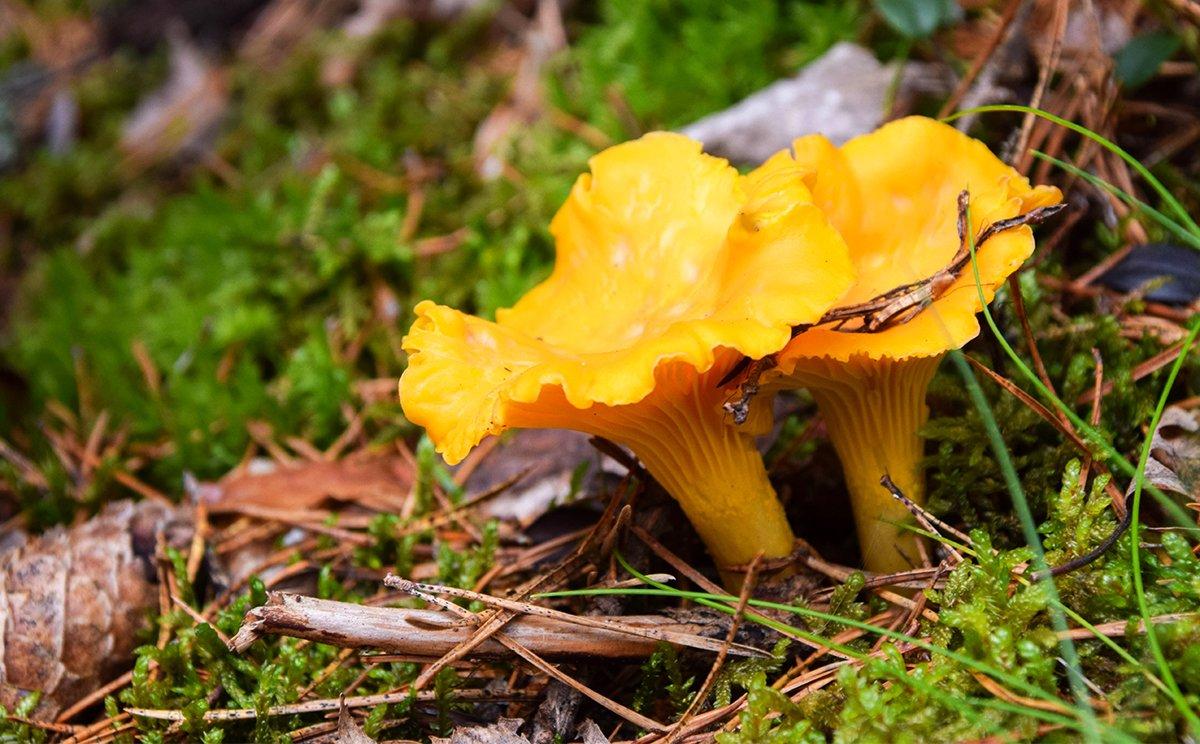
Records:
x=684, y=439
x=718, y=478
x=873, y=410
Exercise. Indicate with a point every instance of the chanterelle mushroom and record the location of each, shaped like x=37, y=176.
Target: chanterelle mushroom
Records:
x=670, y=267
x=893, y=195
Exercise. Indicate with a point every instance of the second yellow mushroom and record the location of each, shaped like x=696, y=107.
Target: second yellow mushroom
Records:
x=893, y=196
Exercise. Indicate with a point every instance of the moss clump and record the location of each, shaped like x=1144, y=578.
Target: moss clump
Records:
x=663, y=63
x=264, y=300
x=965, y=482
x=931, y=697
x=771, y=717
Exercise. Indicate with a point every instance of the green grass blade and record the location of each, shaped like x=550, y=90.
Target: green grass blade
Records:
x=723, y=603
x=1115, y=647
x=1111, y=455
x=1028, y=527
x=1163, y=192
x=1164, y=669
x=1177, y=513
x=999, y=674
x=1029, y=530
x=1071, y=614
x=1174, y=227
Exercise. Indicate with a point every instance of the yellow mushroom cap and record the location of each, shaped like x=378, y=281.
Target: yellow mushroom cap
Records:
x=892, y=194
x=664, y=254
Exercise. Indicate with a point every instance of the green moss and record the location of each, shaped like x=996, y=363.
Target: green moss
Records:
x=15, y=732
x=664, y=686
x=964, y=479
x=771, y=717
x=665, y=63
x=246, y=296
x=748, y=674
x=934, y=698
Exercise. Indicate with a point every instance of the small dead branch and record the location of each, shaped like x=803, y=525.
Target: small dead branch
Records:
x=433, y=633
x=545, y=667
x=1093, y=554
x=327, y=705
x=924, y=518
x=890, y=309
x=543, y=582
x=740, y=409
x=656, y=634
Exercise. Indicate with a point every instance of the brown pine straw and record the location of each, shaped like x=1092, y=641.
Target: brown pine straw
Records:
x=1018, y=301
x=1147, y=367
x=675, y=561
x=1073, y=96
x=97, y=695
x=1030, y=402
x=227, y=715
x=543, y=582
x=981, y=59
x=701, y=695
x=1061, y=11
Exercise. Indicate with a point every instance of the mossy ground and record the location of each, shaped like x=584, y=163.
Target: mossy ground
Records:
x=188, y=304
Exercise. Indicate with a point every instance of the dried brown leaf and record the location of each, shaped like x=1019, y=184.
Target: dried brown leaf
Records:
x=544, y=462
x=181, y=118
x=503, y=731
x=377, y=480
x=590, y=733
x=1174, y=463
x=348, y=731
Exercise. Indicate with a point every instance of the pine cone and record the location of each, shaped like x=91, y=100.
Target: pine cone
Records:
x=72, y=602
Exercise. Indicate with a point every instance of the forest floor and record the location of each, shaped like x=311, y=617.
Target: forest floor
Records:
x=215, y=220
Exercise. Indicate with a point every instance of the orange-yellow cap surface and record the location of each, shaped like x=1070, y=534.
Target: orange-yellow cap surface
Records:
x=893, y=194
x=663, y=254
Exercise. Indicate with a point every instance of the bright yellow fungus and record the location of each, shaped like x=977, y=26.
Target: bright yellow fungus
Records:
x=670, y=268
x=893, y=195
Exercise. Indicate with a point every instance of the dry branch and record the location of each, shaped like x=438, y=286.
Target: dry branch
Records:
x=225, y=715
x=430, y=634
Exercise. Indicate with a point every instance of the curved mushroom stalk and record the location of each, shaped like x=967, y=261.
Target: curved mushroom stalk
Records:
x=684, y=439
x=669, y=267
x=873, y=410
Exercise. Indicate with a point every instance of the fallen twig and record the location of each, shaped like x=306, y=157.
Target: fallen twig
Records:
x=433, y=633
x=1118, y=628
x=892, y=308
x=327, y=704
x=656, y=634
